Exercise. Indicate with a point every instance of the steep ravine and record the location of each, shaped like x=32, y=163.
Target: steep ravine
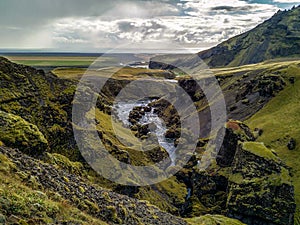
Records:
x=224, y=188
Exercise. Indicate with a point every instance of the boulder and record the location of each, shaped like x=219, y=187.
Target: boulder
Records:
x=292, y=144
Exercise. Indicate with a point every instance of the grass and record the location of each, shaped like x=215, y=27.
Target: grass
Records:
x=259, y=149
x=69, y=73
x=270, y=65
x=59, y=61
x=213, y=220
x=126, y=73
x=280, y=121
x=30, y=206
x=52, y=63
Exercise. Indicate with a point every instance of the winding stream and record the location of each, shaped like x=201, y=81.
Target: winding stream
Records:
x=122, y=110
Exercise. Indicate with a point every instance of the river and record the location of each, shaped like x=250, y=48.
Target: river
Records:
x=122, y=109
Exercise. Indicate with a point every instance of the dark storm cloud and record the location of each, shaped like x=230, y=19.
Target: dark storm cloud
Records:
x=231, y=8
x=28, y=13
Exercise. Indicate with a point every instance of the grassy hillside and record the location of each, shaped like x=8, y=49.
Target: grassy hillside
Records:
x=279, y=120
x=275, y=38
x=21, y=204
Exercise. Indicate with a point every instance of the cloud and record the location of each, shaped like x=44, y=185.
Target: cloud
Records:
x=93, y=25
x=287, y=1
x=188, y=24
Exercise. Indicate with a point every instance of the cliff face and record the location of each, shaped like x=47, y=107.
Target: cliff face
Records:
x=248, y=182
x=260, y=187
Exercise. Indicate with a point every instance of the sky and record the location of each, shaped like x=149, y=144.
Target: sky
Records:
x=131, y=25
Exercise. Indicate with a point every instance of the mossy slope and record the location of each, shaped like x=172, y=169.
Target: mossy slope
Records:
x=16, y=132
x=279, y=120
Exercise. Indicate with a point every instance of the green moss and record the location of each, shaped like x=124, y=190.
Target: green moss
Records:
x=213, y=220
x=279, y=120
x=18, y=133
x=155, y=198
x=174, y=189
x=92, y=207
x=236, y=178
x=259, y=149
x=6, y=165
x=34, y=207
x=112, y=214
x=64, y=163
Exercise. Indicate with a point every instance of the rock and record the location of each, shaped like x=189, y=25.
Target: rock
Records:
x=94, y=199
x=134, y=116
x=257, y=132
x=245, y=101
x=258, y=184
x=17, y=133
x=232, y=108
x=2, y=219
x=134, y=128
x=292, y=80
x=247, y=182
x=143, y=130
x=292, y=144
x=234, y=131
x=202, y=142
x=157, y=154
x=147, y=109
x=172, y=133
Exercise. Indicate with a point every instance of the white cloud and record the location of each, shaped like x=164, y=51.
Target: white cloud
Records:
x=149, y=24
x=286, y=1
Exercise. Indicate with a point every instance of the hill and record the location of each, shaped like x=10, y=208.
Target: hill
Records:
x=277, y=37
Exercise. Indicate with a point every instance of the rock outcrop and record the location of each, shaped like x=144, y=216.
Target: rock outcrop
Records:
x=247, y=182
x=260, y=188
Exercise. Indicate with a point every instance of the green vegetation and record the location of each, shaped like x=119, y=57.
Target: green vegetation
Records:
x=121, y=73
x=260, y=150
x=22, y=205
x=213, y=220
x=63, y=162
x=69, y=73
x=54, y=61
x=49, y=106
x=19, y=133
x=276, y=38
x=279, y=120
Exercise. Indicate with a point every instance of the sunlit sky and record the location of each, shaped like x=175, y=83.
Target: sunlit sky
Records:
x=138, y=25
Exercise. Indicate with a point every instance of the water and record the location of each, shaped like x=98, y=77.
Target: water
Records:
x=122, y=111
